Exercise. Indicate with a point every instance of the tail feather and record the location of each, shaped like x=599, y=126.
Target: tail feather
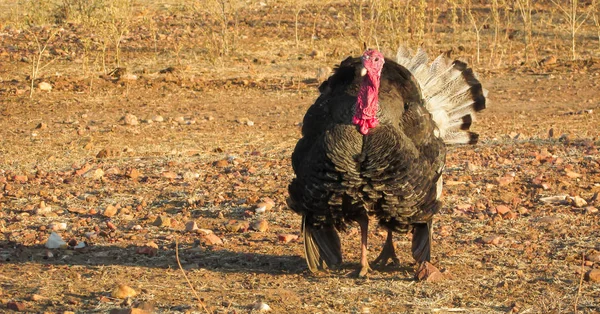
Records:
x=322, y=246
x=451, y=91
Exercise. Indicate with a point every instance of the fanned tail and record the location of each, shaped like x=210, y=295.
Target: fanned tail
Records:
x=451, y=91
x=322, y=247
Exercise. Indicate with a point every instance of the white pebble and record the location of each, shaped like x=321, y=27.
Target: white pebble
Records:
x=262, y=307
x=55, y=241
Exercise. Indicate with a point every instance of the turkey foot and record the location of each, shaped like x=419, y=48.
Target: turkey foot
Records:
x=363, y=222
x=388, y=252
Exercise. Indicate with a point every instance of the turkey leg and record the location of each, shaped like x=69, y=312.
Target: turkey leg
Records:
x=363, y=223
x=421, y=251
x=388, y=252
x=421, y=242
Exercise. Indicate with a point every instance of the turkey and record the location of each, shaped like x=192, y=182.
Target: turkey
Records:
x=374, y=145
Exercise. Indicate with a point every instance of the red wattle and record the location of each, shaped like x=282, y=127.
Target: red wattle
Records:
x=367, y=103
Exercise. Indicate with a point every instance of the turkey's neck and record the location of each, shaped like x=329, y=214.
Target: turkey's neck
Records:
x=367, y=103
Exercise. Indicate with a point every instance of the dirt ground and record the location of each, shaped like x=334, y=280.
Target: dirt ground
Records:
x=126, y=159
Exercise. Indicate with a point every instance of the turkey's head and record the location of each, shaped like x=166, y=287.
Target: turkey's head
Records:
x=372, y=61
x=367, y=102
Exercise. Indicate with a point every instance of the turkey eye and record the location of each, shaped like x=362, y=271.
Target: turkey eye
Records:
x=376, y=59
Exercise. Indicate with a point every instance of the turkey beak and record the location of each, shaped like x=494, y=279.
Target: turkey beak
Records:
x=363, y=71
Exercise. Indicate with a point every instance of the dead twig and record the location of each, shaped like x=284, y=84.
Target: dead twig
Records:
x=580, y=283
x=200, y=302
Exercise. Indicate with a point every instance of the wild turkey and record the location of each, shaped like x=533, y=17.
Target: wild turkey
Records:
x=374, y=145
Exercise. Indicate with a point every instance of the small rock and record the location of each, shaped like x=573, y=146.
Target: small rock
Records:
x=133, y=173
x=111, y=226
x=511, y=215
x=36, y=297
x=262, y=207
x=591, y=210
x=491, y=240
x=42, y=126
x=204, y=231
x=593, y=275
x=122, y=292
x=286, y=238
x=472, y=167
x=221, y=163
x=573, y=175
x=504, y=181
x=428, y=272
x=158, y=118
x=190, y=176
x=558, y=199
x=45, y=86
x=110, y=211
x=169, y=175
x=548, y=220
x=502, y=209
x=16, y=306
x=315, y=54
x=150, y=249
x=260, y=226
x=210, y=239
x=128, y=77
x=43, y=210
x=58, y=226
x=237, y=226
x=21, y=178
x=191, y=226
x=146, y=306
x=261, y=307
x=593, y=256
x=130, y=119
x=129, y=311
x=95, y=174
x=107, y=152
x=55, y=241
x=549, y=60
x=162, y=221
x=323, y=74
x=578, y=202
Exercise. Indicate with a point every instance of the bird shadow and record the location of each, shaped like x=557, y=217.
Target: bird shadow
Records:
x=191, y=257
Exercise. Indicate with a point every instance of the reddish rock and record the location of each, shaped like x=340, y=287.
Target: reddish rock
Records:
x=210, y=239
x=237, y=226
x=162, y=221
x=123, y=292
x=260, y=226
x=502, y=209
x=221, y=163
x=16, y=306
x=593, y=275
x=491, y=240
x=149, y=249
x=110, y=211
x=111, y=226
x=286, y=238
x=129, y=311
x=511, y=215
x=428, y=272
x=191, y=226
x=169, y=175
x=133, y=173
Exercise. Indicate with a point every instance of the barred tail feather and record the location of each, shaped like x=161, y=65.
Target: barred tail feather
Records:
x=451, y=91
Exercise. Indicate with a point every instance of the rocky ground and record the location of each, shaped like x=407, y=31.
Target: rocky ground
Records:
x=161, y=186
